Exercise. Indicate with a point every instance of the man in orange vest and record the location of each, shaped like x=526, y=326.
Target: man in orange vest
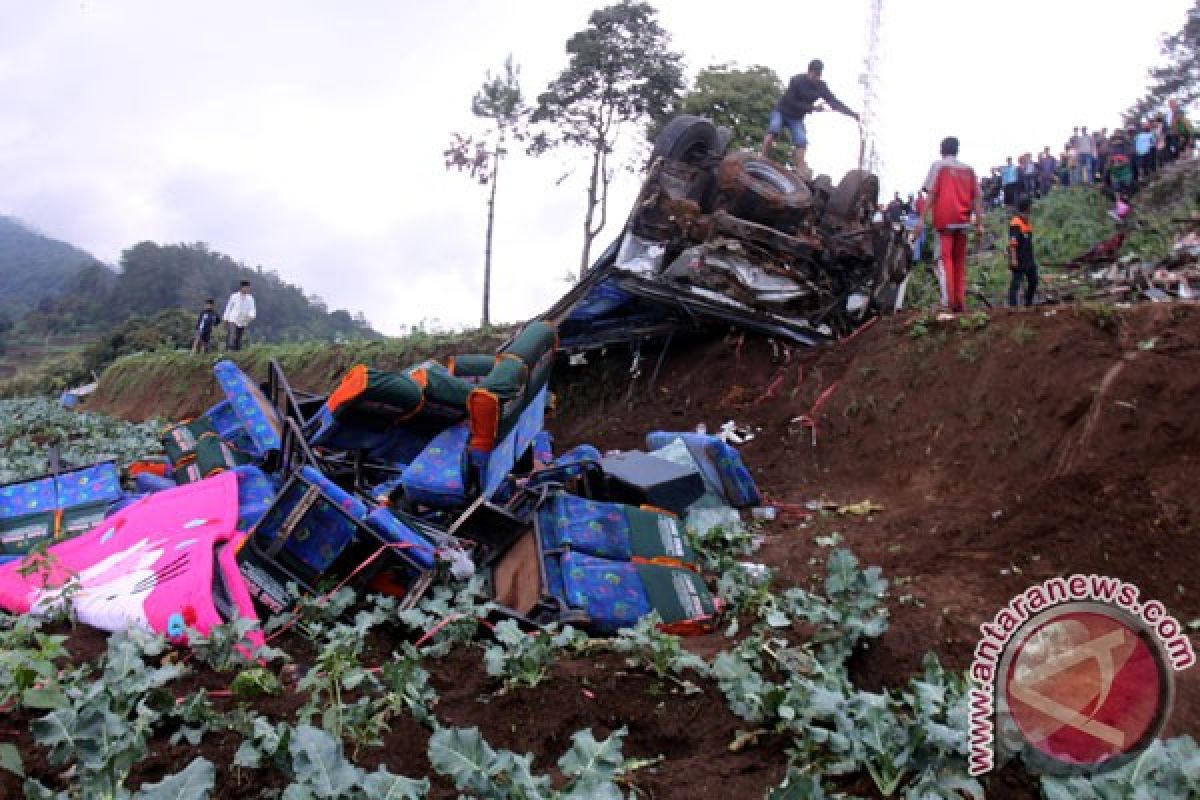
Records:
x=954, y=195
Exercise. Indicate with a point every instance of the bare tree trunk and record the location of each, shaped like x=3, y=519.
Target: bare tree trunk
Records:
x=487, y=250
x=588, y=233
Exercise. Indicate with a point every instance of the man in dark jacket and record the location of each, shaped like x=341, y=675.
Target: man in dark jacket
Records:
x=800, y=99
x=1021, y=262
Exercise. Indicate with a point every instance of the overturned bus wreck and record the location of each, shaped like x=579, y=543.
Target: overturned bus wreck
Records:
x=720, y=239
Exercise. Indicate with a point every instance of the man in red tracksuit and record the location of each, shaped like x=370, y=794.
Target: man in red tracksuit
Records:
x=953, y=196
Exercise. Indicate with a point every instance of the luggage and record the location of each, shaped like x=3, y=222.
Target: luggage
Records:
x=719, y=463
x=636, y=478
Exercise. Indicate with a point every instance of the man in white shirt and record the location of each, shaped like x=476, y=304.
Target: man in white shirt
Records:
x=239, y=313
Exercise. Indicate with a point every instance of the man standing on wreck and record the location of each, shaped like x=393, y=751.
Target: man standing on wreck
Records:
x=800, y=99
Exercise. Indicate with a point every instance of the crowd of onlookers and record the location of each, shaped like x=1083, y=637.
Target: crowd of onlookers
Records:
x=1118, y=161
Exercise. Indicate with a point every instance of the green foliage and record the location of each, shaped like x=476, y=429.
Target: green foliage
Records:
x=336, y=669
x=740, y=99
x=227, y=647
x=850, y=611
x=1180, y=76
x=644, y=645
x=1023, y=333
x=28, y=673
x=620, y=73
x=29, y=426
x=406, y=686
x=920, y=326
x=799, y=785
x=255, y=682
x=590, y=767
x=105, y=722
x=321, y=772
x=1164, y=771
x=449, y=615
x=194, y=783
x=973, y=322
x=1104, y=316
x=524, y=659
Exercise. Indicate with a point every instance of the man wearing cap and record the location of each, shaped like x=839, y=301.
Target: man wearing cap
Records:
x=800, y=99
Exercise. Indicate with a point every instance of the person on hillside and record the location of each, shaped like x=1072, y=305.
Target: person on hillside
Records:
x=803, y=94
x=1120, y=164
x=1085, y=153
x=1064, y=167
x=1179, y=131
x=1100, y=139
x=1047, y=167
x=1144, y=145
x=1029, y=181
x=920, y=206
x=894, y=212
x=239, y=313
x=205, y=324
x=954, y=196
x=1020, y=254
x=1010, y=176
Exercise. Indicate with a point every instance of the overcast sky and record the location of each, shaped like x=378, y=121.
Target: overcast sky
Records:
x=306, y=136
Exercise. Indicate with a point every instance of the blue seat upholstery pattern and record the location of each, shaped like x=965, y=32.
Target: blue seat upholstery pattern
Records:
x=435, y=477
x=543, y=447
x=418, y=548
x=99, y=483
x=606, y=530
x=148, y=482
x=323, y=533
x=495, y=465
x=256, y=492
x=610, y=592
x=30, y=497
x=229, y=428
x=251, y=407
x=719, y=463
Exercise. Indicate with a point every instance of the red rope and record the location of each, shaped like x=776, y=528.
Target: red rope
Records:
x=325, y=597
x=859, y=330
x=809, y=420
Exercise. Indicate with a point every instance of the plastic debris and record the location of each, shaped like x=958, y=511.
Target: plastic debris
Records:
x=860, y=509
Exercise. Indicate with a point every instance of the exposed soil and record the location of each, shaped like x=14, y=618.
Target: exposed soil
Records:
x=1039, y=444
x=1035, y=445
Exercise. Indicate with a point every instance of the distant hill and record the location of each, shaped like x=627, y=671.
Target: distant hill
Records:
x=34, y=267
x=85, y=295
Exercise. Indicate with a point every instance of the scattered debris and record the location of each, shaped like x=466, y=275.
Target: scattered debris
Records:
x=720, y=238
x=392, y=482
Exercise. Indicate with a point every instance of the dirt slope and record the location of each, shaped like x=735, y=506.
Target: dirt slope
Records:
x=1034, y=445
x=1017, y=447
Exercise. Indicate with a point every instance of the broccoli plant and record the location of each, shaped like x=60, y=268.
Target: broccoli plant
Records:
x=28, y=674
x=524, y=659
x=104, y=724
x=645, y=645
x=591, y=767
x=449, y=615
x=850, y=611
x=1167, y=770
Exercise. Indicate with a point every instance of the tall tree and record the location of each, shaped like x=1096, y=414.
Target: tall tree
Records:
x=740, y=99
x=500, y=102
x=1179, y=78
x=620, y=73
